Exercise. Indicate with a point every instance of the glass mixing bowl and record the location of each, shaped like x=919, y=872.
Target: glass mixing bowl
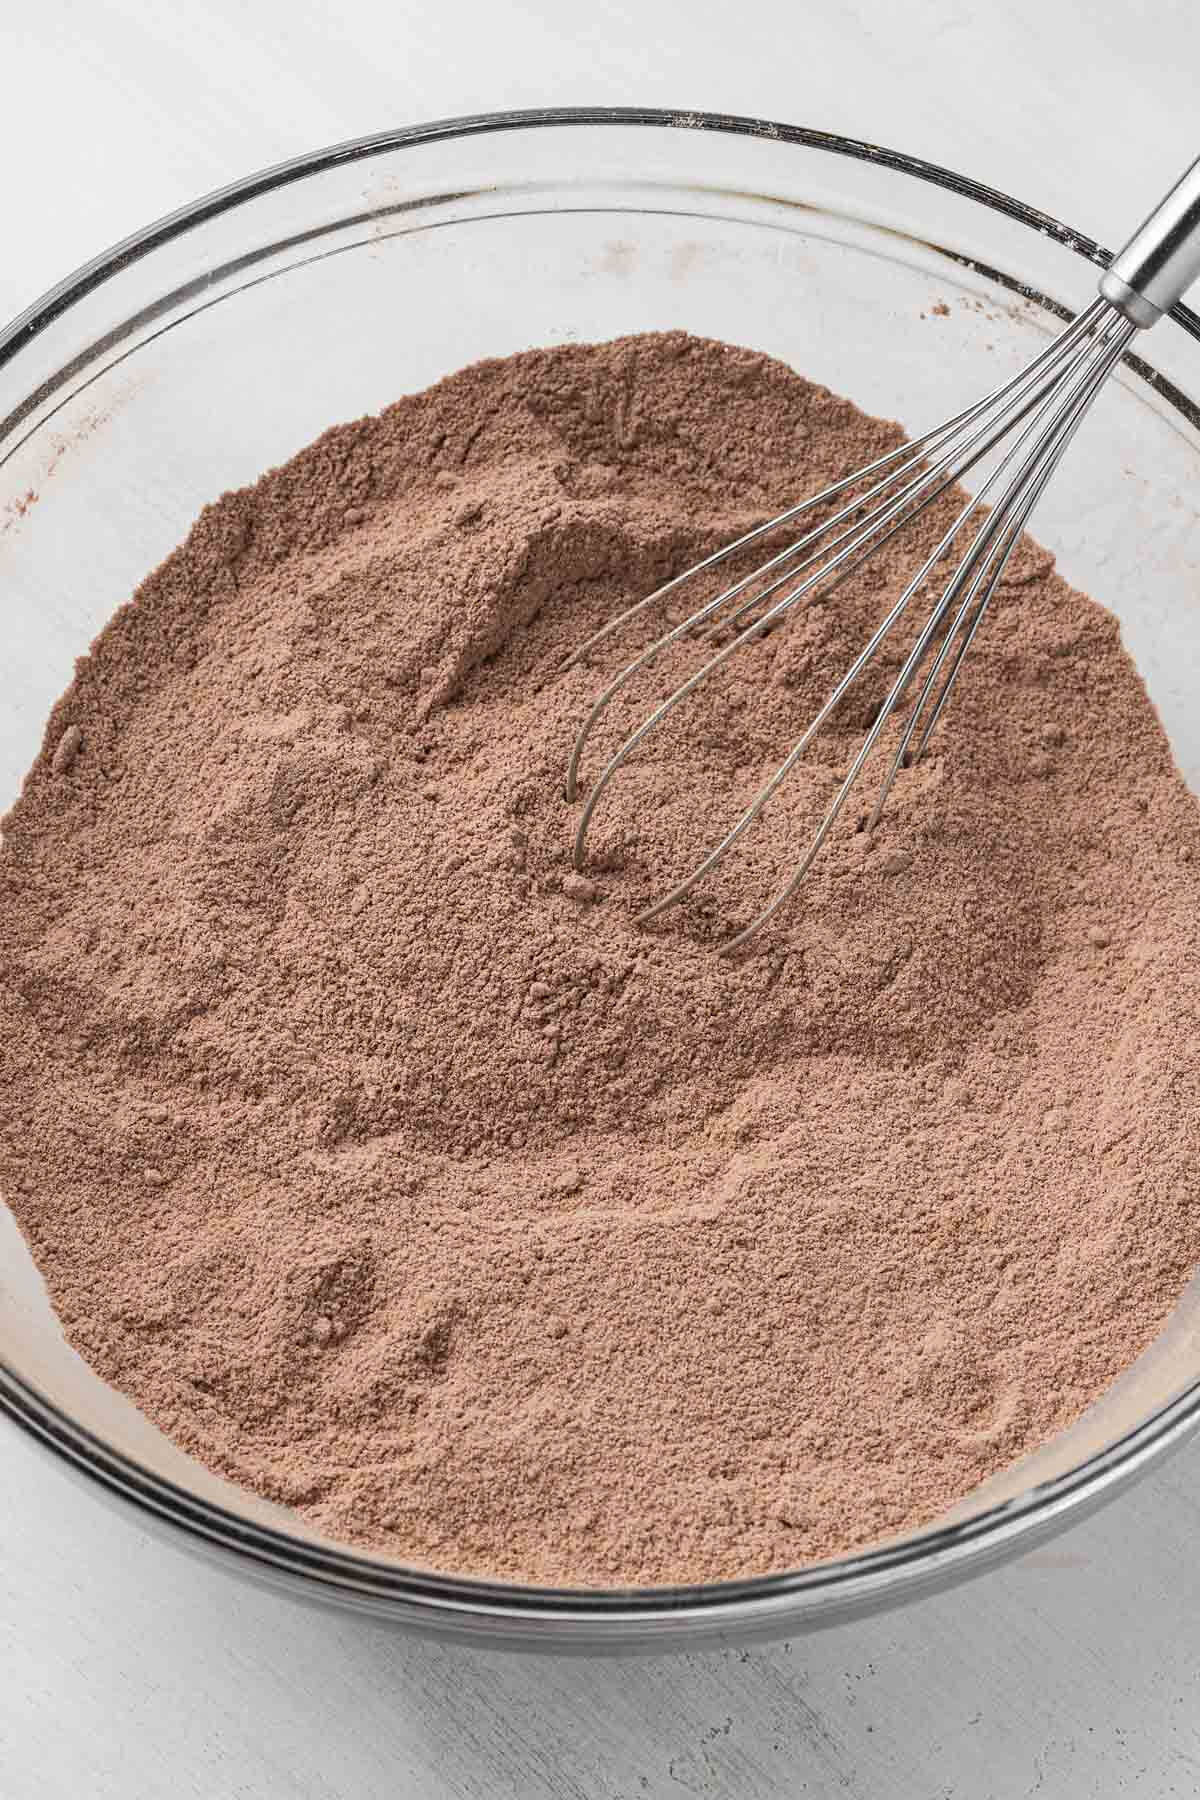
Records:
x=222, y=339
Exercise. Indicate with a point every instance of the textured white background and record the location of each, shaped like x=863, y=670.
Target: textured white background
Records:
x=128, y=1671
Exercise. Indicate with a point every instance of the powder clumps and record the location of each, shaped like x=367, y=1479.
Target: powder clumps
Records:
x=66, y=750
x=398, y=1175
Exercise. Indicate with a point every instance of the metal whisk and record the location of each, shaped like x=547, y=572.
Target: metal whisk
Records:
x=1027, y=422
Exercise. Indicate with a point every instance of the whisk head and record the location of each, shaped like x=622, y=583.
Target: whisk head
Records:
x=1024, y=426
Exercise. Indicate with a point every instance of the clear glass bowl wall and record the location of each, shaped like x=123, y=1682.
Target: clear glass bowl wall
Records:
x=221, y=340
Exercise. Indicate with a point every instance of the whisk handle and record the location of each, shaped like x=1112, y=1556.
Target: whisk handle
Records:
x=1161, y=259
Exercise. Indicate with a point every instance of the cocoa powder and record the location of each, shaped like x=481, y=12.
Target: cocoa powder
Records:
x=397, y=1174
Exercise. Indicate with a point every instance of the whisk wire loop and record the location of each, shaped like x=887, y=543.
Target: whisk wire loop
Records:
x=1043, y=405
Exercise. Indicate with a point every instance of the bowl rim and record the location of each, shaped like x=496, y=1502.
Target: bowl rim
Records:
x=839, y=1586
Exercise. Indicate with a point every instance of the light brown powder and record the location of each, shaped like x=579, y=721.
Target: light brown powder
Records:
x=398, y=1175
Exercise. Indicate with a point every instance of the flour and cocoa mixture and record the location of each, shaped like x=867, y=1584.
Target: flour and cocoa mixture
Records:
x=398, y=1176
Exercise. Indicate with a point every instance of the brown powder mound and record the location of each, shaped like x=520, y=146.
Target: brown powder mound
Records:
x=399, y=1176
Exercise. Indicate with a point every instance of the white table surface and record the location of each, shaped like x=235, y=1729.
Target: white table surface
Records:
x=128, y=1670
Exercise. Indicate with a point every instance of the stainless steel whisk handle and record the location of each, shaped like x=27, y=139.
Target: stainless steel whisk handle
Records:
x=1161, y=259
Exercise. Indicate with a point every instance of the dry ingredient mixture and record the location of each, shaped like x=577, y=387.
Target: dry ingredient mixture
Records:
x=398, y=1176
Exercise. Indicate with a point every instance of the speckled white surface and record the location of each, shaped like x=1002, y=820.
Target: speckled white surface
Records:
x=129, y=1670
